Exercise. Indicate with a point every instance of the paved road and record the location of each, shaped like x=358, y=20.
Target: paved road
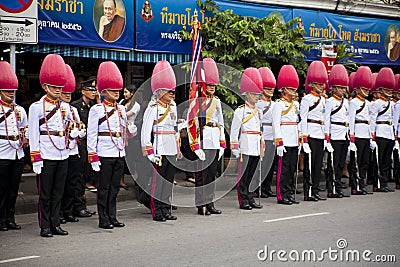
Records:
x=234, y=238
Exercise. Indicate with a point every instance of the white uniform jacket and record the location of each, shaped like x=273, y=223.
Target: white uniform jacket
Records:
x=359, y=118
x=106, y=137
x=47, y=140
x=285, y=123
x=312, y=115
x=336, y=118
x=246, y=123
x=11, y=128
x=159, y=120
x=266, y=107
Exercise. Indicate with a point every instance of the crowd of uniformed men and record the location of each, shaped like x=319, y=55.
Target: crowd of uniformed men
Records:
x=260, y=129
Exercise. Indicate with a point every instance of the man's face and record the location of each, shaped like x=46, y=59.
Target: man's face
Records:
x=290, y=93
x=210, y=89
x=53, y=92
x=386, y=92
x=111, y=95
x=66, y=97
x=7, y=96
x=318, y=87
x=166, y=96
x=109, y=9
x=90, y=94
x=252, y=98
x=392, y=37
x=339, y=90
x=268, y=92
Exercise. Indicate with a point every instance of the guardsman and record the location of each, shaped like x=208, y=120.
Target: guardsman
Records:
x=312, y=128
x=372, y=172
x=286, y=134
x=360, y=134
x=396, y=118
x=212, y=144
x=247, y=123
x=71, y=197
x=106, y=141
x=266, y=105
x=382, y=127
x=336, y=128
x=160, y=121
x=48, y=119
x=13, y=125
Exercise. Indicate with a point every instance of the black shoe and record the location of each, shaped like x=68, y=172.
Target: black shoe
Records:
x=173, y=207
x=388, y=189
x=332, y=195
x=312, y=198
x=285, y=201
x=294, y=201
x=246, y=207
x=116, y=223
x=90, y=212
x=45, y=232
x=298, y=191
x=360, y=193
x=71, y=218
x=269, y=193
x=212, y=209
x=254, y=205
x=317, y=196
x=106, y=226
x=170, y=217
x=63, y=220
x=83, y=214
x=320, y=189
x=365, y=190
x=159, y=219
x=3, y=227
x=58, y=231
x=264, y=195
x=203, y=211
x=124, y=187
x=13, y=226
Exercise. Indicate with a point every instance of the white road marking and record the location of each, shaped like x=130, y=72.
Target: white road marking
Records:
x=297, y=217
x=19, y=259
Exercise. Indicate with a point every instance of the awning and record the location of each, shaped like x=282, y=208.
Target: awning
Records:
x=85, y=52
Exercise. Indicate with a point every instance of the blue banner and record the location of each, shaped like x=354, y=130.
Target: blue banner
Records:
x=98, y=23
x=158, y=22
x=368, y=37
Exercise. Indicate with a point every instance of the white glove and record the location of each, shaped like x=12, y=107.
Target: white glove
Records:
x=396, y=145
x=372, y=145
x=200, y=154
x=82, y=133
x=329, y=147
x=325, y=143
x=27, y=132
x=132, y=129
x=182, y=124
x=280, y=150
x=353, y=147
x=37, y=167
x=153, y=158
x=235, y=152
x=221, y=152
x=96, y=166
x=306, y=148
x=74, y=133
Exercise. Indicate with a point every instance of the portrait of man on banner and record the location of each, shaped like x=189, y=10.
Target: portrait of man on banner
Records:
x=109, y=19
x=392, y=42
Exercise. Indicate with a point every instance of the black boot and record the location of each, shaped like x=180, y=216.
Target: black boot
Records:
x=212, y=209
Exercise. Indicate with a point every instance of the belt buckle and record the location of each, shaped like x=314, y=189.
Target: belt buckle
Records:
x=390, y=123
x=346, y=124
x=14, y=138
x=117, y=134
x=60, y=133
